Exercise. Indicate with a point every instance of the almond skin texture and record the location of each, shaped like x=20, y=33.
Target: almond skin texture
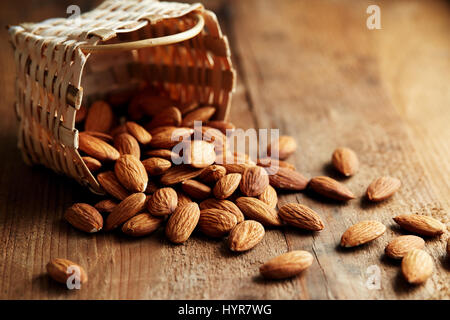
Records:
x=178, y=174
x=169, y=137
x=284, y=148
x=417, y=266
x=131, y=173
x=225, y=205
x=287, y=179
x=57, y=270
x=345, y=161
x=92, y=164
x=362, y=232
x=211, y=174
x=126, y=144
x=84, y=217
x=111, y=184
x=269, y=197
x=141, y=225
x=99, y=117
x=382, y=188
x=138, y=132
x=156, y=166
x=105, y=206
x=168, y=117
x=226, y=186
x=216, y=223
x=257, y=210
x=400, y=246
x=125, y=210
x=330, y=188
x=254, y=181
x=200, y=114
x=286, y=265
x=245, y=236
x=163, y=202
x=195, y=189
x=235, y=167
x=182, y=222
x=199, y=154
x=301, y=216
x=423, y=225
x=97, y=148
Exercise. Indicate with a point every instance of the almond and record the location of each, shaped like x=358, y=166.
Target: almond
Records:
x=269, y=197
x=225, y=205
x=287, y=179
x=163, y=202
x=211, y=174
x=362, y=232
x=100, y=135
x=138, y=132
x=126, y=144
x=125, y=210
x=254, y=181
x=282, y=148
x=216, y=223
x=419, y=224
x=195, y=189
x=286, y=265
x=170, y=137
x=109, y=182
x=400, y=246
x=178, y=174
x=99, y=117
x=97, y=148
x=257, y=210
x=141, y=225
x=84, y=217
x=330, y=188
x=131, y=173
x=417, y=266
x=345, y=161
x=182, y=199
x=200, y=114
x=235, y=167
x=92, y=164
x=61, y=269
x=226, y=186
x=301, y=216
x=199, y=154
x=182, y=222
x=221, y=125
x=245, y=235
x=105, y=206
x=156, y=166
x=163, y=153
x=168, y=117
x=382, y=188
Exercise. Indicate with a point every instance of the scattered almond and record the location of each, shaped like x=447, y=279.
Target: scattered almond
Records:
x=301, y=216
x=195, y=189
x=61, y=269
x=131, y=173
x=287, y=179
x=170, y=137
x=417, y=266
x=84, y=217
x=92, y=164
x=216, y=222
x=362, y=232
x=212, y=174
x=286, y=265
x=226, y=186
x=182, y=222
x=177, y=174
x=283, y=148
x=330, y=188
x=225, y=205
x=105, y=206
x=125, y=143
x=97, y=148
x=257, y=210
x=269, y=197
x=156, y=166
x=141, y=225
x=345, y=161
x=245, y=235
x=138, y=132
x=254, y=181
x=383, y=188
x=125, y=210
x=419, y=224
x=111, y=184
x=99, y=117
x=400, y=246
x=199, y=114
x=163, y=202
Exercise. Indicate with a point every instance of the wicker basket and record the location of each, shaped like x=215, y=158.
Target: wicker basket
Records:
x=177, y=46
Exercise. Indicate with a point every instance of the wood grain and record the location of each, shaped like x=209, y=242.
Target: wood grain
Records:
x=311, y=69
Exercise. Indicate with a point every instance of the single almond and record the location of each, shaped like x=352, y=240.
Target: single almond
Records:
x=105, y=206
x=345, y=161
x=201, y=114
x=226, y=186
x=400, y=246
x=257, y=210
x=245, y=235
x=138, y=132
x=168, y=117
x=282, y=148
x=330, y=188
x=301, y=216
x=198, y=153
x=156, y=166
x=163, y=202
x=141, y=225
x=125, y=210
x=382, y=188
x=287, y=179
x=61, y=269
x=92, y=164
x=235, y=167
x=182, y=222
x=419, y=224
x=212, y=173
x=224, y=126
x=131, y=173
x=170, y=137
x=125, y=143
x=84, y=217
x=254, y=181
x=100, y=135
x=216, y=223
x=111, y=185
x=269, y=197
x=417, y=266
x=286, y=265
x=99, y=118
x=163, y=153
x=195, y=189
x=225, y=205
x=97, y=148
x=177, y=174
x=362, y=232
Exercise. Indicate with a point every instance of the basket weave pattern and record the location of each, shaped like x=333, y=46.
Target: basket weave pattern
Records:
x=54, y=78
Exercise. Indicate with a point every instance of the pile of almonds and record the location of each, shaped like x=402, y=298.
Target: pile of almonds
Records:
x=134, y=161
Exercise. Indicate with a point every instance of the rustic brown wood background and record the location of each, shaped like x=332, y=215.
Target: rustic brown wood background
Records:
x=310, y=68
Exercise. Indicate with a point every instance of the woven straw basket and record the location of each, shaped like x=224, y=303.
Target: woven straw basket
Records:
x=177, y=46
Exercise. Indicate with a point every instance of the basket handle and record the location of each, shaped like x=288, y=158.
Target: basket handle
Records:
x=152, y=42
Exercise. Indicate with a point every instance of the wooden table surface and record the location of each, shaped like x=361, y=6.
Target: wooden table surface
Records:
x=311, y=69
